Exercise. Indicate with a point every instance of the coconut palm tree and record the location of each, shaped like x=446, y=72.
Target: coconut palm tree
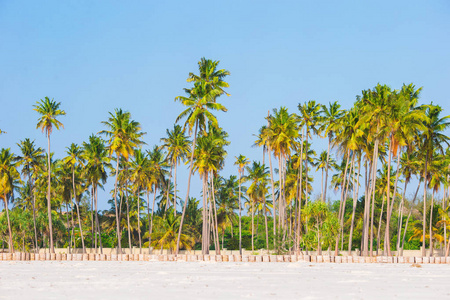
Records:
x=331, y=120
x=200, y=100
x=95, y=154
x=241, y=162
x=124, y=135
x=283, y=132
x=258, y=176
x=49, y=111
x=30, y=158
x=177, y=147
x=431, y=140
x=9, y=177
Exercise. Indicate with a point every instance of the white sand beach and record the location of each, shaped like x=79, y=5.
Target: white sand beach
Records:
x=211, y=280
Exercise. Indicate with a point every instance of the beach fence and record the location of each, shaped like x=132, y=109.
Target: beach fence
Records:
x=219, y=258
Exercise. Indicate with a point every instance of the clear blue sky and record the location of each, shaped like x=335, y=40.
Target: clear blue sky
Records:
x=94, y=56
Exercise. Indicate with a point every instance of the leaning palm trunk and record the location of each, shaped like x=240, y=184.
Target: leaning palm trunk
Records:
x=273, y=197
x=188, y=189
x=400, y=213
x=342, y=203
x=49, y=205
x=379, y=226
x=68, y=229
x=34, y=220
x=215, y=212
x=128, y=219
x=168, y=188
x=79, y=225
x=119, y=244
x=374, y=179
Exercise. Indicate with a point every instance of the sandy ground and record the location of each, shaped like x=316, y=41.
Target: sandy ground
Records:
x=211, y=280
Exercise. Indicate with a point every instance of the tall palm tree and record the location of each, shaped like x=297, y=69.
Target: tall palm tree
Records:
x=124, y=136
x=310, y=118
x=431, y=140
x=330, y=124
x=177, y=146
x=8, y=178
x=30, y=158
x=49, y=111
x=283, y=132
x=241, y=162
x=200, y=100
x=95, y=170
x=258, y=176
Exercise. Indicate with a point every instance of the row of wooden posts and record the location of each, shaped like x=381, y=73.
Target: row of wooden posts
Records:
x=23, y=256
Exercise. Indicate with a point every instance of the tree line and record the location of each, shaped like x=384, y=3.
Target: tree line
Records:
x=377, y=149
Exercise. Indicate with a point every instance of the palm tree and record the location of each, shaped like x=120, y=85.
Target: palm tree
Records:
x=74, y=159
x=97, y=162
x=258, y=176
x=330, y=124
x=49, y=111
x=201, y=99
x=177, y=146
x=241, y=162
x=283, y=132
x=431, y=140
x=310, y=118
x=30, y=158
x=124, y=136
x=9, y=176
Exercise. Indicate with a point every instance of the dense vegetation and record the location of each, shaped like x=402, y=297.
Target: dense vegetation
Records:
x=376, y=149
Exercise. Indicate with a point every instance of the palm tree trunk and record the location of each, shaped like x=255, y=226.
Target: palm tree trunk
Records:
x=265, y=223
x=213, y=192
x=240, y=224
x=374, y=179
x=324, y=194
x=274, y=208
x=175, y=191
x=168, y=187
x=79, y=225
x=387, y=240
x=119, y=249
x=97, y=221
x=10, y=244
x=355, y=201
x=280, y=190
x=188, y=188
x=400, y=219
x=151, y=219
x=49, y=205
x=342, y=203
x=204, y=217
x=299, y=192
x=93, y=231
x=431, y=225
x=128, y=218
x=139, y=220
x=253, y=249
x=34, y=218
x=379, y=225
x=424, y=205
x=148, y=219
x=68, y=230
